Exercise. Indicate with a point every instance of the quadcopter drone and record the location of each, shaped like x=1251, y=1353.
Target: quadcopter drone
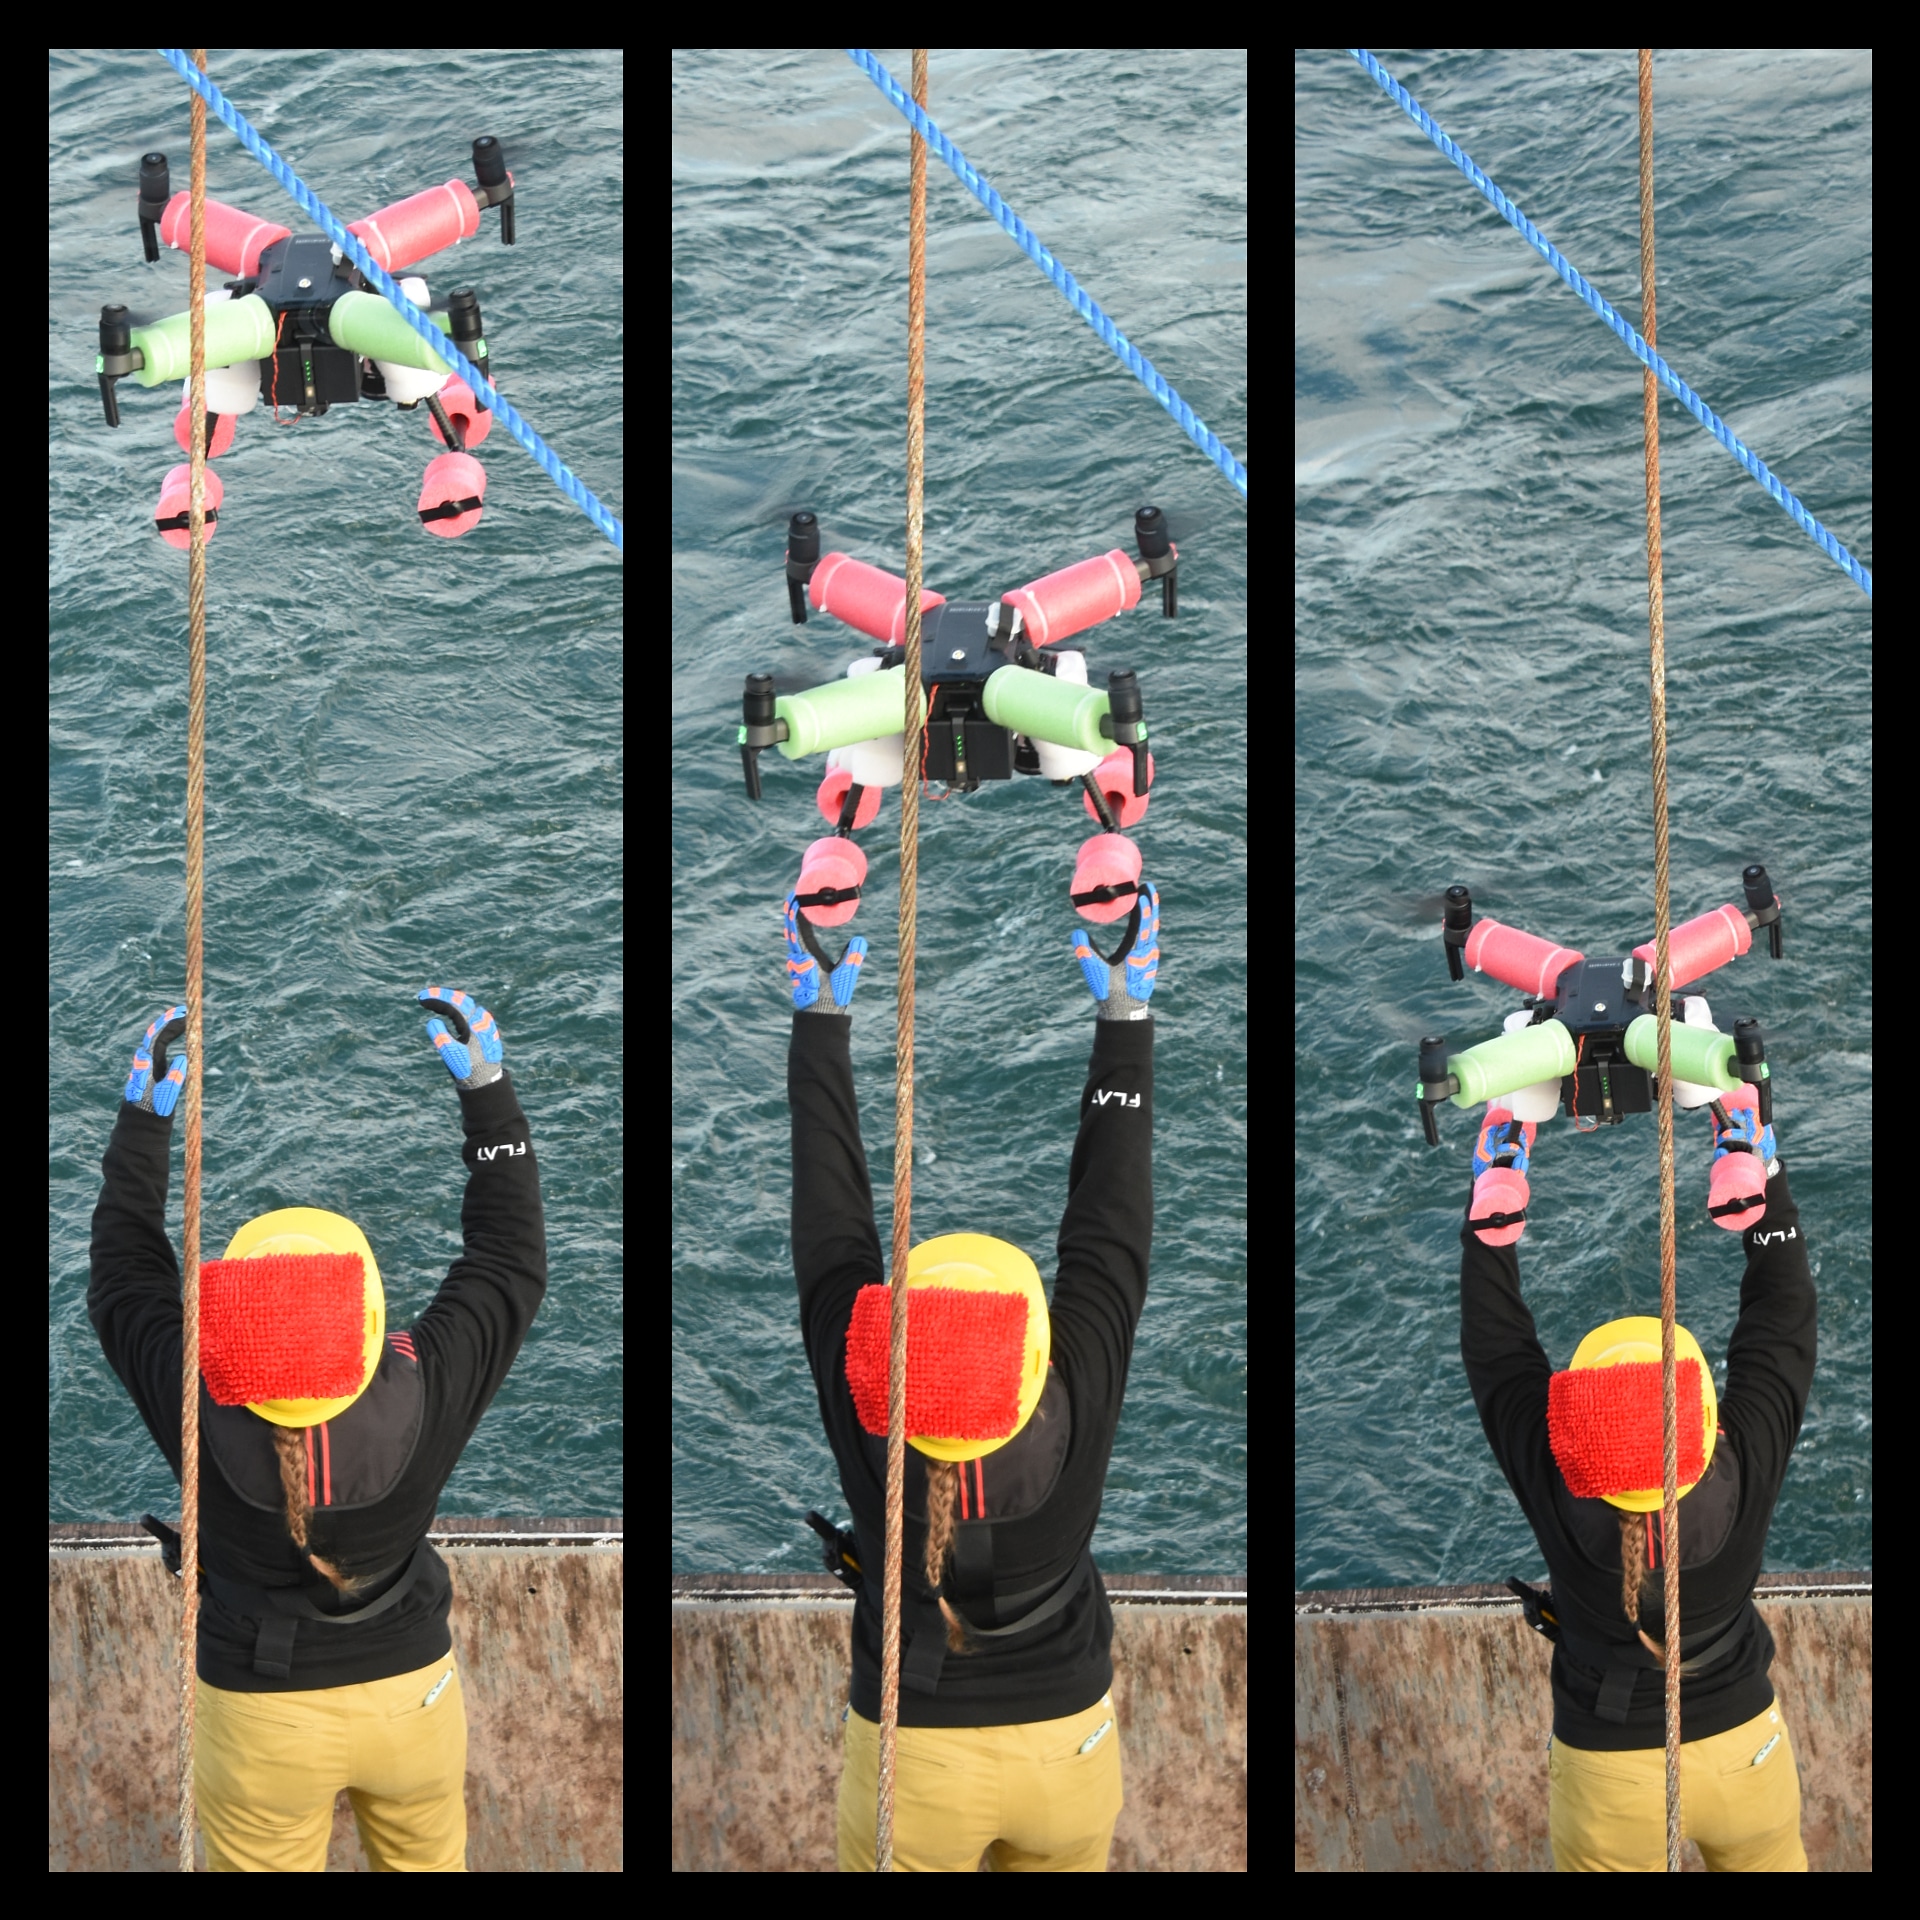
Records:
x=298, y=327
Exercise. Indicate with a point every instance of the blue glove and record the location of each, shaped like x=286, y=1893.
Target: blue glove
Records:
x=142, y=1089
x=1125, y=997
x=805, y=964
x=1503, y=1142
x=1742, y=1108
x=472, y=1051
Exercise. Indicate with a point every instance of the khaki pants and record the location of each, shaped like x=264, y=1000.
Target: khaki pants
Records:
x=1739, y=1803
x=268, y=1766
x=1024, y=1797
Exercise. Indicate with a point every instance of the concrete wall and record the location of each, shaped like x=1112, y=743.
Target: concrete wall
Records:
x=760, y=1670
x=1421, y=1718
x=537, y=1628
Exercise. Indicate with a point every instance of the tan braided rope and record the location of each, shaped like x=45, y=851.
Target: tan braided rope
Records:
x=1662, y=997
x=196, y=814
x=903, y=1001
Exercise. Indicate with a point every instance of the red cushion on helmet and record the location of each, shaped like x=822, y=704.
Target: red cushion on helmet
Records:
x=966, y=1353
x=287, y=1326
x=1606, y=1428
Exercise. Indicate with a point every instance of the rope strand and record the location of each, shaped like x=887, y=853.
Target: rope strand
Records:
x=903, y=1004
x=1640, y=348
x=1070, y=289
x=196, y=813
x=1662, y=998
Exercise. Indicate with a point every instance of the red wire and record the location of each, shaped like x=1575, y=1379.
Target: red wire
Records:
x=273, y=398
x=936, y=797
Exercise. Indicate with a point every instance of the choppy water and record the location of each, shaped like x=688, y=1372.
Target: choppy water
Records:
x=789, y=311
x=1471, y=704
x=414, y=755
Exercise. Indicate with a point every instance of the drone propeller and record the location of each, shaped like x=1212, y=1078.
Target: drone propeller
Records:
x=1427, y=909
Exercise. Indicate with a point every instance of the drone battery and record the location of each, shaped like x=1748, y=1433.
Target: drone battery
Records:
x=964, y=748
x=1592, y=1003
x=306, y=371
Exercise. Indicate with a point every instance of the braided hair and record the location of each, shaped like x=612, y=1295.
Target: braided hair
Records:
x=289, y=1443
x=943, y=1500
x=1633, y=1576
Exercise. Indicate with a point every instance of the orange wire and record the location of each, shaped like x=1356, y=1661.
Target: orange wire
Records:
x=935, y=797
x=273, y=398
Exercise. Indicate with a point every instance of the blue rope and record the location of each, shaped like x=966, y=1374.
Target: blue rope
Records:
x=317, y=211
x=1548, y=252
x=1075, y=295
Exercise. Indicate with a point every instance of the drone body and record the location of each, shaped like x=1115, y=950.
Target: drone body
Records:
x=297, y=328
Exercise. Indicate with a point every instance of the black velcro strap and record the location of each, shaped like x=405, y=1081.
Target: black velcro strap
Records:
x=1498, y=1220
x=1616, y=1695
x=273, y=1647
x=448, y=510
x=921, y=1659
x=179, y=522
x=826, y=897
x=1745, y=1204
x=1101, y=896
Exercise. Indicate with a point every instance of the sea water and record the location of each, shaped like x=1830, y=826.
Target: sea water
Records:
x=1471, y=704
x=414, y=749
x=789, y=265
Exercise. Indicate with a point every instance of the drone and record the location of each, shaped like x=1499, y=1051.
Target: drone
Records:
x=1586, y=1035
x=1001, y=698
x=298, y=327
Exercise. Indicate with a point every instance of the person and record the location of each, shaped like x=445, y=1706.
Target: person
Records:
x=1007, y=1746
x=324, y=1661
x=1583, y=1451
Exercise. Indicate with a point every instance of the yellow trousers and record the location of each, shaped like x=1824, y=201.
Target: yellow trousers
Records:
x=1739, y=1803
x=1026, y=1798
x=267, y=1768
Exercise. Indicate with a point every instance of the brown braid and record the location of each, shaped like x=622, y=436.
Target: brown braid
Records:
x=1633, y=1574
x=943, y=1501
x=290, y=1444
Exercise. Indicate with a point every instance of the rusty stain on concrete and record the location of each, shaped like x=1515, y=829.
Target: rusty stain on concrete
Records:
x=760, y=1679
x=1442, y=1713
x=538, y=1631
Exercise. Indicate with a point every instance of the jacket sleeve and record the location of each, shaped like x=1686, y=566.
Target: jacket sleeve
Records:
x=133, y=1288
x=1770, y=1358
x=472, y=1331
x=1106, y=1234
x=1507, y=1368
x=836, y=1247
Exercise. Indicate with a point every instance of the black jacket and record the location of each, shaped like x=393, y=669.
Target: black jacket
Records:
x=376, y=1471
x=1723, y=1521
x=1040, y=1494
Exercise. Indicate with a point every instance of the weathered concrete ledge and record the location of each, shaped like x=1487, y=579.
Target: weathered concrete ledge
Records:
x=1421, y=1717
x=760, y=1678
x=538, y=1628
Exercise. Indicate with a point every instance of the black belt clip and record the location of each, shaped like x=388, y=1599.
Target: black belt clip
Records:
x=1537, y=1604
x=841, y=1550
x=169, y=1542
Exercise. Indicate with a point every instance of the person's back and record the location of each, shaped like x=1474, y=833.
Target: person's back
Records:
x=326, y=1438
x=1007, y=1741
x=1582, y=1450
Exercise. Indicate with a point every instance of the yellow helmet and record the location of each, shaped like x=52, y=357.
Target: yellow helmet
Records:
x=992, y=1361
x=293, y=1231
x=1606, y=1433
